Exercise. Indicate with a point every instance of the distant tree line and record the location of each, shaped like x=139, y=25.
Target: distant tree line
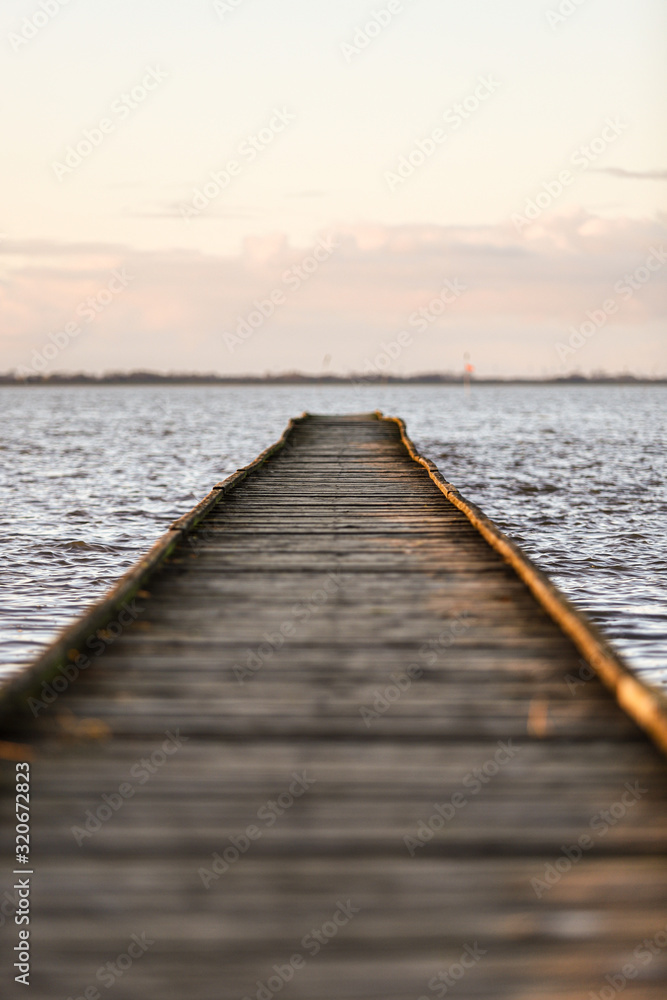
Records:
x=298, y=378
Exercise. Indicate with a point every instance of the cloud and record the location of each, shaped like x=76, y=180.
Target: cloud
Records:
x=638, y=175
x=523, y=291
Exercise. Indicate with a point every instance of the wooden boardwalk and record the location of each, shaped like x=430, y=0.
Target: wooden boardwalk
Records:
x=336, y=750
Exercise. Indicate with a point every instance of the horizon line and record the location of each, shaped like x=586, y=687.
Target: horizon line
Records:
x=146, y=376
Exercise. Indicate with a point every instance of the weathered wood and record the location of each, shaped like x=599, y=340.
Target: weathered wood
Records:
x=276, y=627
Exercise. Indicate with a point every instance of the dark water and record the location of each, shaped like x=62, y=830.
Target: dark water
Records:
x=576, y=474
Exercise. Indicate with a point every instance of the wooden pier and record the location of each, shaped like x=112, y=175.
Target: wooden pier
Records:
x=335, y=738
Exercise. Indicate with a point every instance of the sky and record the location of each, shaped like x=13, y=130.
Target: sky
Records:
x=245, y=186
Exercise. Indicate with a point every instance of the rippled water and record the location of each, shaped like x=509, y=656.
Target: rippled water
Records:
x=91, y=476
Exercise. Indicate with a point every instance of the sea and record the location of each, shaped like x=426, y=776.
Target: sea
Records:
x=575, y=474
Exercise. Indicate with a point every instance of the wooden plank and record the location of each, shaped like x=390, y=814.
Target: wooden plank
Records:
x=344, y=503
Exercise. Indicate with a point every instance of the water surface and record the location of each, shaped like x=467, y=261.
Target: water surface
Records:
x=91, y=476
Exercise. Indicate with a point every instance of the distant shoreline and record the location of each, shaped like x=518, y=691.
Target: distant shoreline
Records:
x=297, y=378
